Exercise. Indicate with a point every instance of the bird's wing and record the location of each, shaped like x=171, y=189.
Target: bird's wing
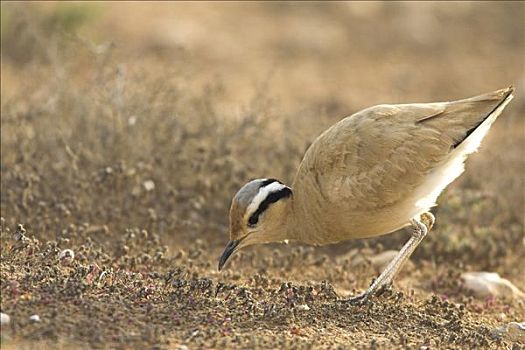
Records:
x=380, y=155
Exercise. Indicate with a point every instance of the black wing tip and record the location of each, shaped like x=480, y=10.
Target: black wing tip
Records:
x=509, y=91
x=507, y=94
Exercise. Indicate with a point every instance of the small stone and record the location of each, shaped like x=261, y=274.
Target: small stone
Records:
x=182, y=347
x=4, y=319
x=132, y=120
x=484, y=284
x=303, y=307
x=66, y=254
x=34, y=318
x=149, y=185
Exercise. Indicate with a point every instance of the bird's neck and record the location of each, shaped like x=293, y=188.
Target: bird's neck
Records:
x=289, y=223
x=303, y=219
x=280, y=223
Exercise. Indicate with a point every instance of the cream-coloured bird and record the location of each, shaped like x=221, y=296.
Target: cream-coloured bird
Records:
x=370, y=174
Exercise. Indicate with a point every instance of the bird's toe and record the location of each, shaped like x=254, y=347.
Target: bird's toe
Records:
x=359, y=299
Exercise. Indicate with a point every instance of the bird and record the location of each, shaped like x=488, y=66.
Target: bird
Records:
x=370, y=174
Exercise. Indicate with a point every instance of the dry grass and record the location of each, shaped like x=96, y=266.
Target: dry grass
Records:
x=126, y=129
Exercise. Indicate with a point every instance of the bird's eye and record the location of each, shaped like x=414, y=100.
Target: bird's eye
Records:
x=252, y=221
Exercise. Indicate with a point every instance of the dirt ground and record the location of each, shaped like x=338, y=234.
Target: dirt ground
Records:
x=126, y=128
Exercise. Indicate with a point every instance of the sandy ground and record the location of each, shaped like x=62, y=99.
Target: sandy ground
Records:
x=127, y=128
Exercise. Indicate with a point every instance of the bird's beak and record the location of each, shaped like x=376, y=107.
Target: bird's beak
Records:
x=230, y=249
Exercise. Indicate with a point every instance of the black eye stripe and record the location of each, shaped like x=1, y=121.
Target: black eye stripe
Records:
x=271, y=198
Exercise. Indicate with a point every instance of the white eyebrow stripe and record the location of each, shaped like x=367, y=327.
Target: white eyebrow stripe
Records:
x=261, y=196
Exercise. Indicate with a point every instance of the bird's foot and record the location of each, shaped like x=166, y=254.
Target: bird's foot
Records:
x=385, y=289
x=357, y=300
x=364, y=298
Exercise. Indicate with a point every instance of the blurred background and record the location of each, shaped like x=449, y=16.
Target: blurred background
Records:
x=124, y=118
x=152, y=115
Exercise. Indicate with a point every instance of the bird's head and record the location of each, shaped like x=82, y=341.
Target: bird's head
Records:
x=258, y=215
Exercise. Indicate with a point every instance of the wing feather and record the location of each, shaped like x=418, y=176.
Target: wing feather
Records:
x=379, y=156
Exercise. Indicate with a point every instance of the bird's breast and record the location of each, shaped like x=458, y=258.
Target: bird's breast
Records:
x=322, y=221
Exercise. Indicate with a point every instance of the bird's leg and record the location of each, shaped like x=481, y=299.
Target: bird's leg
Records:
x=421, y=226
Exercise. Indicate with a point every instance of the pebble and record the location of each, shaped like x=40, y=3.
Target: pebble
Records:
x=149, y=185
x=35, y=318
x=484, y=284
x=66, y=254
x=132, y=120
x=512, y=331
x=303, y=307
x=4, y=319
